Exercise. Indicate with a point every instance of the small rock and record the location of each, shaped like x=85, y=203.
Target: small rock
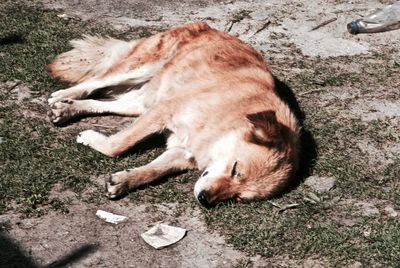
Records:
x=5, y=224
x=21, y=91
x=314, y=197
x=320, y=184
x=389, y=210
x=1, y=140
x=367, y=209
x=314, y=263
x=355, y=264
x=154, y=18
x=8, y=85
x=348, y=222
x=386, y=189
x=367, y=233
x=68, y=17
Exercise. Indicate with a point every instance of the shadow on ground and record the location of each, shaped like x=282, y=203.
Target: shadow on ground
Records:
x=308, y=146
x=12, y=255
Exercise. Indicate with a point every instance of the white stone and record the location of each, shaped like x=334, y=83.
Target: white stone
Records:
x=391, y=212
x=320, y=184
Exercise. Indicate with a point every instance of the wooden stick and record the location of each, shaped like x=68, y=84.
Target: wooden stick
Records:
x=265, y=25
x=323, y=24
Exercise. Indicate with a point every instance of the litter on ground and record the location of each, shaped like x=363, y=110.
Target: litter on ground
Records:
x=162, y=235
x=110, y=217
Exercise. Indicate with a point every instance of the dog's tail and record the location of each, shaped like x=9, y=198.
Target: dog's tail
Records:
x=90, y=57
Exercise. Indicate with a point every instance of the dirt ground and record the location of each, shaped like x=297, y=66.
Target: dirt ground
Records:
x=281, y=30
x=80, y=239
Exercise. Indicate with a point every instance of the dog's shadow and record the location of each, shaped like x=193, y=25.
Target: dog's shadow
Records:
x=308, y=147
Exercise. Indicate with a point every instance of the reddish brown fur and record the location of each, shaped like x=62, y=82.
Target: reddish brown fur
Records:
x=153, y=48
x=223, y=88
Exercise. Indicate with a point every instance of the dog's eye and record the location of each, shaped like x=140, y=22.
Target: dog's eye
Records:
x=234, y=172
x=204, y=173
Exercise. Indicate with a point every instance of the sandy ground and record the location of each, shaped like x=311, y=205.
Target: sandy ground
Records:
x=80, y=239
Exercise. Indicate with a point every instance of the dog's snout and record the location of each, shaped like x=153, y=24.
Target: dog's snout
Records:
x=203, y=198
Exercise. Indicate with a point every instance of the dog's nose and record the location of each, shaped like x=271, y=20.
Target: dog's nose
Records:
x=203, y=198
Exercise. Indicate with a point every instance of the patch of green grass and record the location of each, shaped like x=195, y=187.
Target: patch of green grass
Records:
x=30, y=38
x=177, y=189
x=34, y=154
x=341, y=157
x=315, y=230
x=324, y=77
x=244, y=263
x=366, y=72
x=384, y=242
x=306, y=231
x=59, y=205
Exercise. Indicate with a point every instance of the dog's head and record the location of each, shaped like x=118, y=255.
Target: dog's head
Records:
x=255, y=164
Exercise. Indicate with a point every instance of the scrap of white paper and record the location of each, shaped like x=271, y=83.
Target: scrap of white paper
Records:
x=110, y=217
x=162, y=235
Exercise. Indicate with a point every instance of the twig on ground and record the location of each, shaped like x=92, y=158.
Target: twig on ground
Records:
x=16, y=83
x=237, y=18
x=263, y=27
x=310, y=92
x=229, y=27
x=290, y=206
x=323, y=24
x=284, y=207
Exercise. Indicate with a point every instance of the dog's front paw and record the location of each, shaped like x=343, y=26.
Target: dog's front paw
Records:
x=90, y=138
x=61, y=111
x=96, y=141
x=117, y=184
x=58, y=96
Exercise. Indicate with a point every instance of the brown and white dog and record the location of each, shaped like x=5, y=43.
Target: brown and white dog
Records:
x=212, y=93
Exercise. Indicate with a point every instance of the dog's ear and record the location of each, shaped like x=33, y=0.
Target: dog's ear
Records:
x=265, y=128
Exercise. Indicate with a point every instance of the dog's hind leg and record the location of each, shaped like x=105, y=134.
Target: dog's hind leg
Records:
x=131, y=103
x=131, y=78
x=152, y=121
x=171, y=161
x=96, y=62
